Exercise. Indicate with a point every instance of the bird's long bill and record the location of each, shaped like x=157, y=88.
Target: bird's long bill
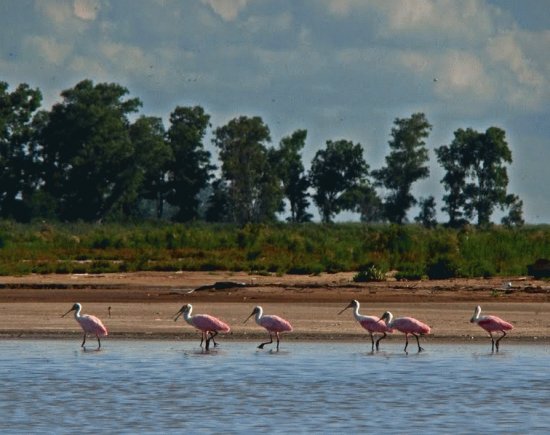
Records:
x=251, y=314
x=72, y=309
x=349, y=306
x=177, y=315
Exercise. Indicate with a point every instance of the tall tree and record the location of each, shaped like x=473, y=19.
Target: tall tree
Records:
x=336, y=174
x=514, y=218
x=481, y=183
x=455, y=159
x=405, y=165
x=153, y=158
x=426, y=217
x=18, y=169
x=287, y=161
x=88, y=156
x=369, y=204
x=252, y=183
x=191, y=168
x=218, y=205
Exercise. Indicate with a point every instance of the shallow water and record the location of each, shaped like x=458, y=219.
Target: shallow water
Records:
x=52, y=386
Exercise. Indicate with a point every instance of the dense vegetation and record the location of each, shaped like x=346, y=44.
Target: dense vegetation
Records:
x=94, y=158
x=413, y=251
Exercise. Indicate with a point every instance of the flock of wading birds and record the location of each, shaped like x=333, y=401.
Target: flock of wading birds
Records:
x=210, y=326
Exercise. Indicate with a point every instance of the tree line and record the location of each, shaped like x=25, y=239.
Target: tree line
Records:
x=90, y=158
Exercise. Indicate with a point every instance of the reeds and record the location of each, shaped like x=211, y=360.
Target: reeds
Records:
x=411, y=251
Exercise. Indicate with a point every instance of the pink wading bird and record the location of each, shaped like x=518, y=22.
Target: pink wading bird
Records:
x=407, y=325
x=491, y=324
x=208, y=325
x=90, y=324
x=370, y=323
x=273, y=324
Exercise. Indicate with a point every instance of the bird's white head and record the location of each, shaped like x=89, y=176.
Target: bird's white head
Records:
x=475, y=317
x=353, y=304
x=257, y=311
x=76, y=307
x=387, y=317
x=186, y=309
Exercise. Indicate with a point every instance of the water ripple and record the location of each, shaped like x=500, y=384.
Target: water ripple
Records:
x=166, y=387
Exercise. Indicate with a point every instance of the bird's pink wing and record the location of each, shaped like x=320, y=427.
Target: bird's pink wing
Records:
x=92, y=325
x=204, y=322
x=275, y=324
x=410, y=325
x=374, y=324
x=494, y=323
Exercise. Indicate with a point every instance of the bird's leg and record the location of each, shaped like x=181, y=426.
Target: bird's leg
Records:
x=83, y=341
x=212, y=335
x=202, y=339
x=261, y=346
x=207, y=346
x=406, y=342
x=381, y=338
x=277, y=335
x=501, y=337
x=98, y=342
x=420, y=349
x=492, y=342
x=372, y=341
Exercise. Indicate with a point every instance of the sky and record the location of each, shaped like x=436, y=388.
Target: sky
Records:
x=341, y=69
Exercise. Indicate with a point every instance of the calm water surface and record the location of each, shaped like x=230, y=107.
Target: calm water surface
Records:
x=52, y=386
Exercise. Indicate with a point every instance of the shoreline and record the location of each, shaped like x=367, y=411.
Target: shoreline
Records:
x=143, y=305
x=359, y=339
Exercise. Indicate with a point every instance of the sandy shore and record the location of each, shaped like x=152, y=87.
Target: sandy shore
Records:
x=143, y=304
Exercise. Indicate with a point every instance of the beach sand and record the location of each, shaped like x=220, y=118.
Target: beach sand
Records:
x=143, y=304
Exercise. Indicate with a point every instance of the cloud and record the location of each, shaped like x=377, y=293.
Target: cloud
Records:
x=465, y=21
x=57, y=11
x=505, y=50
x=227, y=9
x=84, y=67
x=86, y=10
x=524, y=86
x=342, y=8
x=431, y=20
x=48, y=49
x=463, y=72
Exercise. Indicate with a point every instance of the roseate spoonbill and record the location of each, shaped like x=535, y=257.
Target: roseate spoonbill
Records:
x=491, y=324
x=407, y=325
x=370, y=323
x=273, y=324
x=208, y=325
x=89, y=324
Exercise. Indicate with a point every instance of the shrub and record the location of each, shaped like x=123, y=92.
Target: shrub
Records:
x=444, y=268
x=411, y=272
x=368, y=273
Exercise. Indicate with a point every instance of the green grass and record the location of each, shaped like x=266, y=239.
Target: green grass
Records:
x=415, y=252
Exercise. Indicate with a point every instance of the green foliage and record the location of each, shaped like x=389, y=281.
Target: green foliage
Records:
x=18, y=174
x=153, y=155
x=369, y=272
x=287, y=162
x=444, y=267
x=336, y=173
x=405, y=165
x=426, y=217
x=251, y=182
x=411, y=272
x=414, y=252
x=476, y=178
x=190, y=168
x=88, y=158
